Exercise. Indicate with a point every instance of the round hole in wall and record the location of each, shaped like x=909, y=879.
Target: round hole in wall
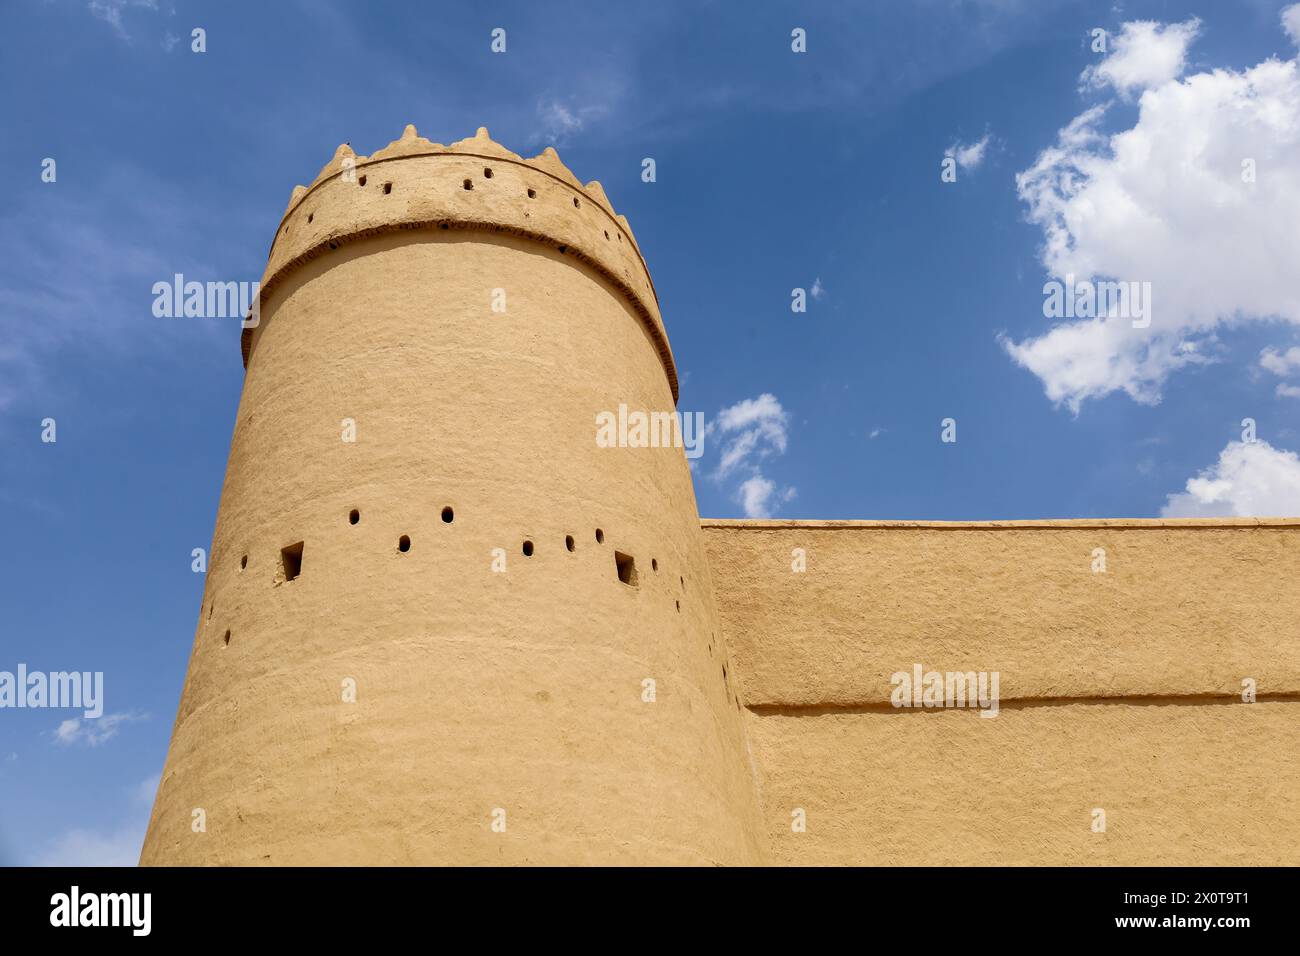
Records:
x=468, y=184
x=532, y=194
x=361, y=181
x=243, y=562
x=563, y=249
x=487, y=172
x=404, y=544
x=654, y=564
x=576, y=204
x=606, y=234
x=448, y=515
x=679, y=606
x=568, y=542
x=354, y=516
x=528, y=549
x=227, y=638
x=600, y=536
x=444, y=225
x=683, y=580
x=311, y=216
x=388, y=188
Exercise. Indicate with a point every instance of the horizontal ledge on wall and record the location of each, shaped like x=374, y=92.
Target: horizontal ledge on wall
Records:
x=1020, y=703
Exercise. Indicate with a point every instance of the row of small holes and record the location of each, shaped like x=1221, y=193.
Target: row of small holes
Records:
x=466, y=184
x=448, y=515
x=361, y=181
x=528, y=548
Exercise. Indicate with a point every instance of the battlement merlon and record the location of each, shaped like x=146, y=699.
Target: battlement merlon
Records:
x=473, y=184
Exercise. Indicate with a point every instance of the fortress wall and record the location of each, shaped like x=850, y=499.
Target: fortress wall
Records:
x=1119, y=691
x=1180, y=784
x=476, y=690
x=1182, y=608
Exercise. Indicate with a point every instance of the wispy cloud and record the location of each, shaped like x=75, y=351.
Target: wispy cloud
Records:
x=92, y=733
x=110, y=11
x=1280, y=363
x=969, y=156
x=752, y=431
x=1291, y=22
x=558, y=122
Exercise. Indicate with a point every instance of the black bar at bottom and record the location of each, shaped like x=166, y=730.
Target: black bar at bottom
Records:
x=950, y=907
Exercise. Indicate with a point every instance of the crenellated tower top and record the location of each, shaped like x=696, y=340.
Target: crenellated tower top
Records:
x=473, y=184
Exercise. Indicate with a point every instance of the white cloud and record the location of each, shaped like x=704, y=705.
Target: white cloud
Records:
x=110, y=11
x=754, y=495
x=1160, y=203
x=756, y=428
x=1291, y=22
x=559, y=121
x=752, y=431
x=1143, y=56
x=1250, y=479
x=1280, y=363
x=818, y=290
x=1091, y=358
x=94, y=732
x=970, y=155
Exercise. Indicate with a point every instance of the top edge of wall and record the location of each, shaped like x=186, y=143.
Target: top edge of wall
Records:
x=1046, y=523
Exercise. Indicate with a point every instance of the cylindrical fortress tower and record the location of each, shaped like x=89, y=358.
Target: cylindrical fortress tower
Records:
x=442, y=624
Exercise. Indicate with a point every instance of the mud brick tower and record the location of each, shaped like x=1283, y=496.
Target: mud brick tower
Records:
x=463, y=314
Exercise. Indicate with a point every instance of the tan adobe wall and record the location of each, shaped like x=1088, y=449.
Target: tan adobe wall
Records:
x=1119, y=690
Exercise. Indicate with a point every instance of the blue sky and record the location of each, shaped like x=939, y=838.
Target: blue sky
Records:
x=775, y=170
